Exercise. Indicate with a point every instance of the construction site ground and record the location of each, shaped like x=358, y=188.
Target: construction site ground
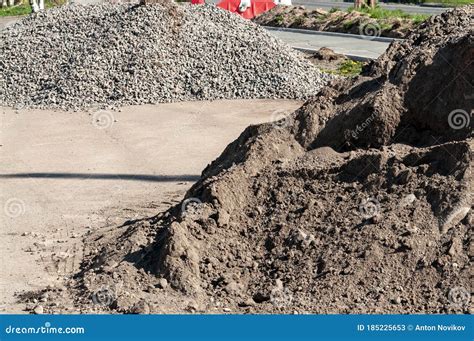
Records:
x=62, y=185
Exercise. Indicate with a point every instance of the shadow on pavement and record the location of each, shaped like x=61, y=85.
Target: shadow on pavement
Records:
x=103, y=176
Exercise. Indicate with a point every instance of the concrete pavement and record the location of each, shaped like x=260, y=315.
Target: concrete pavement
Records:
x=348, y=44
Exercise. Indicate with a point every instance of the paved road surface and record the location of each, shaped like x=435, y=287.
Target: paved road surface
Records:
x=346, y=44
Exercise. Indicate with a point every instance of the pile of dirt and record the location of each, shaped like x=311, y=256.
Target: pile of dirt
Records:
x=336, y=21
x=334, y=63
x=358, y=202
x=74, y=57
x=326, y=54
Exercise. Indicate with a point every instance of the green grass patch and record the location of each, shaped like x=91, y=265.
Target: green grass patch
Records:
x=21, y=9
x=279, y=19
x=385, y=27
x=381, y=13
x=25, y=8
x=350, y=68
x=348, y=24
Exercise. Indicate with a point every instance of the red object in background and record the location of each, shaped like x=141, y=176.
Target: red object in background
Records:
x=257, y=7
x=198, y=2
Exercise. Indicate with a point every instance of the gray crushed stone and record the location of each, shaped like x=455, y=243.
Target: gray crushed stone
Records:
x=76, y=57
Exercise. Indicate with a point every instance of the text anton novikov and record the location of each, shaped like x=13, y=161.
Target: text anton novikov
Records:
x=439, y=327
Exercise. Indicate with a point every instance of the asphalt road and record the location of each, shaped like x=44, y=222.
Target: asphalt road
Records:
x=347, y=44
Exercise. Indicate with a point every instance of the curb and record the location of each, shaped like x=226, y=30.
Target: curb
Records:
x=331, y=34
x=435, y=5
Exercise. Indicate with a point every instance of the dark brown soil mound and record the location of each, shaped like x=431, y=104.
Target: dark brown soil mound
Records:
x=335, y=21
x=359, y=202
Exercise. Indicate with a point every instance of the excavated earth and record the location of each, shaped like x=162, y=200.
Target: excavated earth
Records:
x=358, y=202
x=335, y=21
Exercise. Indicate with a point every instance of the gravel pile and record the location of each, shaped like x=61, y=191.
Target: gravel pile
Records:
x=75, y=57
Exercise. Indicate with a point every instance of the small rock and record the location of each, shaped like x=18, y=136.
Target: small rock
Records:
x=247, y=303
x=38, y=310
x=193, y=306
x=405, y=176
x=260, y=297
x=411, y=228
x=298, y=236
x=408, y=200
x=162, y=283
x=233, y=288
x=223, y=218
x=376, y=218
x=456, y=247
x=140, y=308
x=453, y=218
x=150, y=288
x=397, y=300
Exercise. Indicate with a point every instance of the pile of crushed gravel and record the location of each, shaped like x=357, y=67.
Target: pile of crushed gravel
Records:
x=75, y=57
x=359, y=202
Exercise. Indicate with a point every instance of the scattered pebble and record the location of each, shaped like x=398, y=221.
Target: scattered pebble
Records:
x=38, y=310
x=162, y=283
x=140, y=308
